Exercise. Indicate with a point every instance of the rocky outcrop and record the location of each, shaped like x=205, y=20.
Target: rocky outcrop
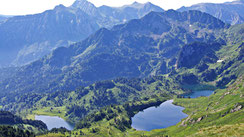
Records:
x=192, y=54
x=236, y=108
x=190, y=120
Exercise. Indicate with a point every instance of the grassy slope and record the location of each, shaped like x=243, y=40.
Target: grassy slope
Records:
x=96, y=97
x=196, y=108
x=212, y=109
x=217, y=121
x=113, y=120
x=224, y=131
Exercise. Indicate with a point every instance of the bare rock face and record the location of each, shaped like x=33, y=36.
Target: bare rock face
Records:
x=236, y=108
x=184, y=122
x=200, y=119
x=85, y=6
x=190, y=120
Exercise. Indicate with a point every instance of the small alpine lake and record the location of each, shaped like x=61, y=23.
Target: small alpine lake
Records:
x=196, y=94
x=54, y=122
x=165, y=115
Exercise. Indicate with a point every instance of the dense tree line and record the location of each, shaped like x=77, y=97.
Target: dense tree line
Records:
x=85, y=100
x=119, y=116
x=7, y=118
x=8, y=131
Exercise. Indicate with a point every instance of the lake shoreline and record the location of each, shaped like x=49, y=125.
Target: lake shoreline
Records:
x=55, y=122
x=146, y=119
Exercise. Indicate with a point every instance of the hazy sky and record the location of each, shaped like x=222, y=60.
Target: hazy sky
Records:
x=21, y=7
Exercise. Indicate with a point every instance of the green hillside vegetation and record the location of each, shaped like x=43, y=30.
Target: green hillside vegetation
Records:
x=8, y=131
x=172, y=53
x=75, y=105
x=218, y=111
x=139, y=48
x=203, y=72
x=220, y=114
x=216, y=63
x=18, y=124
x=113, y=120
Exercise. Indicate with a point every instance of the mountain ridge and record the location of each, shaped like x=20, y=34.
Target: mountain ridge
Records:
x=229, y=12
x=28, y=38
x=108, y=54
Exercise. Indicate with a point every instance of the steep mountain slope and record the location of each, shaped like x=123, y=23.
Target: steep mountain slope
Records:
x=192, y=54
x=211, y=62
x=219, y=111
x=24, y=39
x=139, y=48
x=229, y=12
x=6, y=72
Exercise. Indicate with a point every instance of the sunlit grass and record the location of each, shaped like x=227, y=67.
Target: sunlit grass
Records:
x=49, y=111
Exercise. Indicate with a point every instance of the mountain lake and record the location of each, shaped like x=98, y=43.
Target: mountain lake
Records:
x=163, y=116
x=54, y=122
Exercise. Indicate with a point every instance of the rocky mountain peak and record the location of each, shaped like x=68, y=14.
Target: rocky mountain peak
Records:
x=135, y=3
x=59, y=7
x=81, y=3
x=138, y=5
x=85, y=6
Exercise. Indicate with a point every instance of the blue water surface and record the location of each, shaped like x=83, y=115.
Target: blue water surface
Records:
x=196, y=94
x=166, y=115
x=54, y=122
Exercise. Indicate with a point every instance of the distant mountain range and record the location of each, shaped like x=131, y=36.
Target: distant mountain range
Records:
x=229, y=12
x=139, y=48
x=24, y=39
x=109, y=16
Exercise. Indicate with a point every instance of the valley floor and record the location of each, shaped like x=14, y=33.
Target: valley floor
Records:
x=220, y=114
